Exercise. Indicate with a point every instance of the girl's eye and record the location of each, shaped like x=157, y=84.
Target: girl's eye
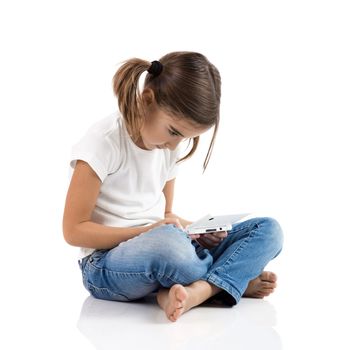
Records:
x=172, y=133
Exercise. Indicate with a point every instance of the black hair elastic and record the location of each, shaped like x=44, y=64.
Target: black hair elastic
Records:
x=155, y=69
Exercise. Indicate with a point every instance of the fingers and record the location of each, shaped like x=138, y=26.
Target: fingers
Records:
x=216, y=237
x=174, y=221
x=210, y=240
x=178, y=224
x=205, y=243
x=221, y=234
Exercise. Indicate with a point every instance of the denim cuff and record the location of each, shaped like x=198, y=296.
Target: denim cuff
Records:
x=227, y=295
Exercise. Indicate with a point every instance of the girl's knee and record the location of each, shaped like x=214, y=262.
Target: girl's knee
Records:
x=176, y=256
x=173, y=246
x=272, y=232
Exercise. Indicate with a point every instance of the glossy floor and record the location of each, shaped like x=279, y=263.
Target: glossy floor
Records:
x=143, y=325
x=54, y=315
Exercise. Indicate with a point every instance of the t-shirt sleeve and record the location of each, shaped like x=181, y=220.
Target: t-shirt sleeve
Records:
x=98, y=152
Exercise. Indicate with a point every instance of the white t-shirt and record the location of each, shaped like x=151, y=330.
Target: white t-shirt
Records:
x=132, y=178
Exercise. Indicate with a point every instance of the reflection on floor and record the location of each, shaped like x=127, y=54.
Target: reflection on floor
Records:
x=142, y=324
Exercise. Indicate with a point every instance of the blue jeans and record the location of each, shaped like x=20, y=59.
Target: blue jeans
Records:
x=165, y=256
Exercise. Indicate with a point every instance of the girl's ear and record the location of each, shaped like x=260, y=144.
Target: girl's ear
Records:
x=148, y=97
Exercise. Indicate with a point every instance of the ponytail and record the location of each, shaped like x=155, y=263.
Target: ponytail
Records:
x=126, y=89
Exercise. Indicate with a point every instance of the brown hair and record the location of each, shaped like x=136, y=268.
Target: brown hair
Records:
x=189, y=87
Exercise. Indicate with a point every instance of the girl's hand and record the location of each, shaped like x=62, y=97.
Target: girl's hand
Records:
x=167, y=220
x=193, y=237
x=183, y=222
x=172, y=220
x=211, y=240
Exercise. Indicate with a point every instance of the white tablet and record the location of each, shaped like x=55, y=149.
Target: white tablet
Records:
x=214, y=223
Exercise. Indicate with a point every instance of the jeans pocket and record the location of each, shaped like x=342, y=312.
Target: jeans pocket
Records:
x=95, y=258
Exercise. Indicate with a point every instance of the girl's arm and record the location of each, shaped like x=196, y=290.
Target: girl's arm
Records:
x=168, y=191
x=78, y=229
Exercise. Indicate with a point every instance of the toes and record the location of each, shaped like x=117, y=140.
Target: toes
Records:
x=268, y=285
x=263, y=293
x=258, y=295
x=176, y=314
x=267, y=292
x=178, y=304
x=268, y=276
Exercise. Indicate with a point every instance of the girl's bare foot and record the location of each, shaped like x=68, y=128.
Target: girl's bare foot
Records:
x=175, y=301
x=262, y=286
x=179, y=299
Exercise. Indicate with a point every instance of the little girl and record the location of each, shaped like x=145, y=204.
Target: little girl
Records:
x=119, y=202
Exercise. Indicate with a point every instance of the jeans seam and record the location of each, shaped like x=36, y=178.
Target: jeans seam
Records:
x=167, y=277
x=131, y=274
x=115, y=272
x=101, y=289
x=243, y=227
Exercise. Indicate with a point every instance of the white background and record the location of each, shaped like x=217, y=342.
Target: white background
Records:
x=282, y=149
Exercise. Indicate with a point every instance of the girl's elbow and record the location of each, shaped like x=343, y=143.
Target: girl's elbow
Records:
x=69, y=235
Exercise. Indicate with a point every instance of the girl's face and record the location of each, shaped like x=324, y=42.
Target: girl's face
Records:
x=161, y=130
